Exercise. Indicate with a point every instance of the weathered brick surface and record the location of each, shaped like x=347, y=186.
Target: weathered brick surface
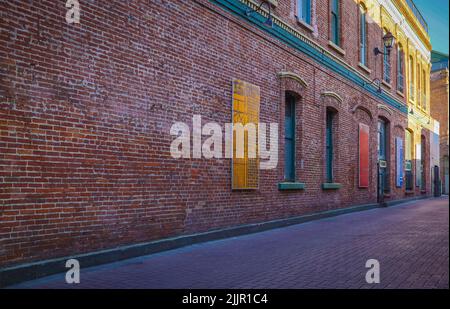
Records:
x=86, y=112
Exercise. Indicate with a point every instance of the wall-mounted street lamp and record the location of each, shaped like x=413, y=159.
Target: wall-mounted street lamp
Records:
x=269, y=21
x=388, y=42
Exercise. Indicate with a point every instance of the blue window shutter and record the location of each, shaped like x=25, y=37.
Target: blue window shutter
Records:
x=363, y=36
x=329, y=146
x=289, y=138
x=304, y=10
x=387, y=66
x=307, y=11
x=400, y=162
x=335, y=22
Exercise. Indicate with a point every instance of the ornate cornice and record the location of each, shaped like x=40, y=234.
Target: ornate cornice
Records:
x=406, y=11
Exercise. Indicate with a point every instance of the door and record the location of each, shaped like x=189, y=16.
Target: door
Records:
x=423, y=185
x=382, y=163
x=436, y=181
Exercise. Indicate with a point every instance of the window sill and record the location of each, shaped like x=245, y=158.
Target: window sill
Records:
x=363, y=67
x=387, y=195
x=336, y=48
x=291, y=186
x=400, y=93
x=386, y=84
x=305, y=25
x=331, y=186
x=423, y=191
x=409, y=192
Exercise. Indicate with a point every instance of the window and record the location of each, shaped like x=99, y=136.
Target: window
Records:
x=419, y=158
x=411, y=78
x=304, y=10
x=329, y=144
x=335, y=22
x=386, y=64
x=289, y=138
x=399, y=160
x=400, y=69
x=419, y=90
x=424, y=87
x=362, y=35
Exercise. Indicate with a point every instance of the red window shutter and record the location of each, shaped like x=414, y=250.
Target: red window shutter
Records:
x=363, y=155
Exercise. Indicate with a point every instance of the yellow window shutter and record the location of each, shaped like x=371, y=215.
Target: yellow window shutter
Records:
x=246, y=101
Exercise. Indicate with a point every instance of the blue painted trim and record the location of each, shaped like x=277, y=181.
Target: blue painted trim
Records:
x=238, y=8
x=331, y=186
x=291, y=186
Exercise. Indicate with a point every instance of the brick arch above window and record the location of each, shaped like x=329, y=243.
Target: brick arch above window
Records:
x=385, y=112
x=333, y=95
x=363, y=107
x=386, y=119
x=293, y=76
x=332, y=99
x=293, y=82
x=385, y=108
x=399, y=127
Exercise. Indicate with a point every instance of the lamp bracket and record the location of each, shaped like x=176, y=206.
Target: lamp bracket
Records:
x=377, y=82
x=269, y=21
x=377, y=51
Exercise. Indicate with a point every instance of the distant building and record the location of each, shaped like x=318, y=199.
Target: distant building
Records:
x=439, y=109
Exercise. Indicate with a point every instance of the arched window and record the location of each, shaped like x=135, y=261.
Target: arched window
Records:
x=386, y=63
x=335, y=22
x=304, y=10
x=400, y=68
x=362, y=35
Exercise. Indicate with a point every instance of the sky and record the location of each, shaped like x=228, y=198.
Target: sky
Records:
x=435, y=13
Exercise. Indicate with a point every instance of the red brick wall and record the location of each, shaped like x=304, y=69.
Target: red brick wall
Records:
x=86, y=111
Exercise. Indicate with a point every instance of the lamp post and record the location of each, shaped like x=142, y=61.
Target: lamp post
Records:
x=388, y=42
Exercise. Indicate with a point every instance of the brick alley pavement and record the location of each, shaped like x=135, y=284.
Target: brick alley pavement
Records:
x=410, y=241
